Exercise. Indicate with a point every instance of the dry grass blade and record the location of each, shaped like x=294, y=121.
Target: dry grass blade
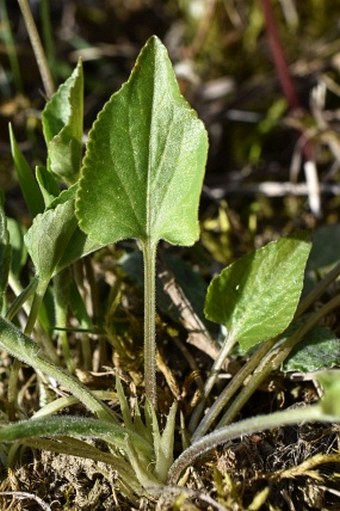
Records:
x=23, y=495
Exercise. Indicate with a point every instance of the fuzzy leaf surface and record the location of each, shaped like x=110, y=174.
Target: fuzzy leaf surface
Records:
x=48, y=237
x=70, y=426
x=320, y=349
x=54, y=240
x=257, y=295
x=62, y=120
x=143, y=169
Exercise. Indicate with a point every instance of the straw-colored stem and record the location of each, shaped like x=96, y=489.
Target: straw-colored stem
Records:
x=37, y=47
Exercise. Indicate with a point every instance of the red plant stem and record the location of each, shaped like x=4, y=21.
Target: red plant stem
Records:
x=279, y=57
x=282, y=68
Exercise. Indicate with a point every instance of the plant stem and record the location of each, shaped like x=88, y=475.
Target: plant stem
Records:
x=35, y=307
x=61, y=301
x=236, y=382
x=37, y=47
x=81, y=282
x=318, y=290
x=22, y=295
x=246, y=427
x=45, y=341
x=282, y=69
x=280, y=62
x=149, y=258
x=228, y=344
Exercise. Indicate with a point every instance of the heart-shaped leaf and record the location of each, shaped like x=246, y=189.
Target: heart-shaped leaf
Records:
x=256, y=296
x=143, y=170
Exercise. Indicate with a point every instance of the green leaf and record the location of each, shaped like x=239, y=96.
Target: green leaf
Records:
x=330, y=403
x=163, y=443
x=143, y=169
x=48, y=237
x=320, y=349
x=256, y=296
x=28, y=184
x=167, y=444
x=79, y=245
x=24, y=349
x=141, y=469
x=62, y=120
x=132, y=418
x=68, y=426
x=54, y=240
x=124, y=406
x=78, y=307
x=18, y=249
x=326, y=247
x=47, y=184
x=5, y=254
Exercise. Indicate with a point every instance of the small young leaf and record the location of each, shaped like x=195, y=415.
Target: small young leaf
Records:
x=124, y=406
x=141, y=468
x=28, y=185
x=320, y=349
x=48, y=237
x=62, y=120
x=256, y=296
x=167, y=443
x=143, y=170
